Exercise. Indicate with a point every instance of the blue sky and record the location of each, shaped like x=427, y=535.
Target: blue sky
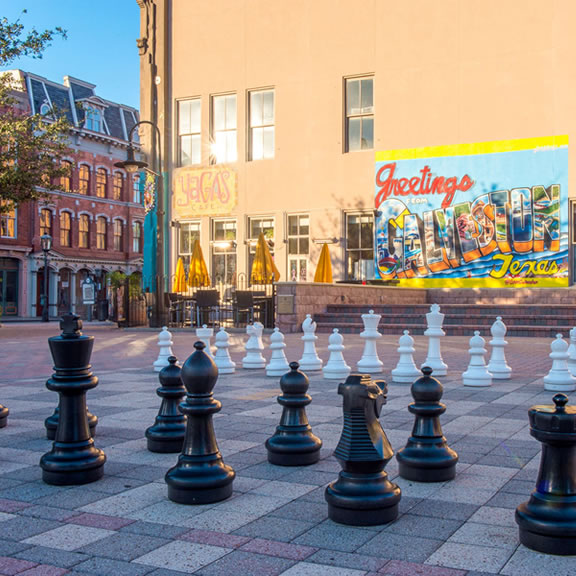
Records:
x=100, y=48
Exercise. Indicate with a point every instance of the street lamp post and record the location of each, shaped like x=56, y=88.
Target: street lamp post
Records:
x=46, y=245
x=133, y=165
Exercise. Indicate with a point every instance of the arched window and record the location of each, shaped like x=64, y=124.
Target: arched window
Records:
x=118, y=190
x=101, y=233
x=136, y=194
x=84, y=231
x=93, y=120
x=101, y=182
x=84, y=179
x=66, y=178
x=45, y=222
x=137, y=237
x=118, y=235
x=65, y=229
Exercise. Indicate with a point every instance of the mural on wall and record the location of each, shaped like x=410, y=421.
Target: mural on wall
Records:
x=491, y=214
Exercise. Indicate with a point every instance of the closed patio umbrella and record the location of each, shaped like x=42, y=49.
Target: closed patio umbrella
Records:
x=264, y=270
x=179, y=284
x=324, y=267
x=198, y=274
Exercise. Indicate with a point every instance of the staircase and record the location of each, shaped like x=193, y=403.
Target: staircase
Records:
x=543, y=313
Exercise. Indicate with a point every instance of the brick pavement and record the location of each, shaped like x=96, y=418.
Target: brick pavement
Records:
x=276, y=522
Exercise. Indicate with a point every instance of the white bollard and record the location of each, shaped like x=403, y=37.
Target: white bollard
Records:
x=370, y=363
x=498, y=366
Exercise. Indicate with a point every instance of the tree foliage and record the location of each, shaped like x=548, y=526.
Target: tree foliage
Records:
x=31, y=146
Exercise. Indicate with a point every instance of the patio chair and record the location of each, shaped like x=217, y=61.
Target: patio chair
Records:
x=207, y=307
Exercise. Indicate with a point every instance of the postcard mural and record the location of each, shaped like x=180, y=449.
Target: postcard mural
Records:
x=489, y=214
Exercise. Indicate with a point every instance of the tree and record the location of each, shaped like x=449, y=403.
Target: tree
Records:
x=31, y=146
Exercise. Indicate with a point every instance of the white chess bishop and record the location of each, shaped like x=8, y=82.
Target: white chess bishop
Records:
x=498, y=366
x=310, y=361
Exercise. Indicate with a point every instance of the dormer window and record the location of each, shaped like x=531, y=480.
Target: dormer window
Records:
x=45, y=108
x=93, y=119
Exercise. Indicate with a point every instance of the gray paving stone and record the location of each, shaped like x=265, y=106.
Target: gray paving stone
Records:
x=470, y=557
x=247, y=564
x=347, y=560
x=274, y=528
x=9, y=547
x=30, y=491
x=424, y=526
x=507, y=500
x=72, y=498
x=444, y=509
x=21, y=527
x=108, y=567
x=123, y=546
x=52, y=556
x=313, y=512
x=400, y=547
x=527, y=562
x=48, y=512
x=154, y=529
x=335, y=537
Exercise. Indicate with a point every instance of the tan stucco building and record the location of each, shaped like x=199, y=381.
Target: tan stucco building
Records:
x=271, y=111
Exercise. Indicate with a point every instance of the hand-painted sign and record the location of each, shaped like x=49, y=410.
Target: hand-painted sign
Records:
x=204, y=191
x=488, y=214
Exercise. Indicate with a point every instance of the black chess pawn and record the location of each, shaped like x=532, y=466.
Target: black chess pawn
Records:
x=363, y=495
x=427, y=456
x=547, y=522
x=167, y=433
x=73, y=458
x=200, y=476
x=51, y=423
x=293, y=443
x=3, y=416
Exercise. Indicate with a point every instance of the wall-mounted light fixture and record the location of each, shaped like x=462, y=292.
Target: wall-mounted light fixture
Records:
x=326, y=240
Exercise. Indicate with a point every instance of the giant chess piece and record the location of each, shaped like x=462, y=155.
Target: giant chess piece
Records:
x=310, y=361
x=559, y=378
x=427, y=456
x=370, y=363
x=477, y=373
x=405, y=370
x=278, y=365
x=222, y=357
x=165, y=345
x=51, y=423
x=3, y=416
x=336, y=367
x=547, y=522
x=434, y=331
x=200, y=476
x=167, y=433
x=572, y=352
x=254, y=346
x=498, y=366
x=363, y=495
x=293, y=443
x=205, y=335
x=73, y=458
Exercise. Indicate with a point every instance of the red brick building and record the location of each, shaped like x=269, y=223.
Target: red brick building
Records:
x=96, y=221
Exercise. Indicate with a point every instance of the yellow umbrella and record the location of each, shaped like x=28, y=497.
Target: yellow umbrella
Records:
x=198, y=273
x=324, y=267
x=179, y=278
x=264, y=270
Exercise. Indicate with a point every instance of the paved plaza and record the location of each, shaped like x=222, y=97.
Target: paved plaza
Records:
x=276, y=521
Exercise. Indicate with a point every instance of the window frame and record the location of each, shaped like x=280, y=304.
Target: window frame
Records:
x=358, y=115
x=137, y=238
x=118, y=235
x=136, y=191
x=195, y=135
x=226, y=131
x=298, y=256
x=101, y=236
x=46, y=228
x=83, y=234
x=84, y=183
x=66, y=179
x=348, y=251
x=251, y=157
x=65, y=233
x=101, y=182
x=5, y=219
x=219, y=250
x=118, y=190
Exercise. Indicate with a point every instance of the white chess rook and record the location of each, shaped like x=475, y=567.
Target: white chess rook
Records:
x=336, y=367
x=254, y=346
x=406, y=370
x=310, y=362
x=165, y=344
x=559, y=378
x=370, y=363
x=222, y=357
x=477, y=373
x=572, y=352
x=498, y=366
x=205, y=334
x=434, y=319
x=278, y=365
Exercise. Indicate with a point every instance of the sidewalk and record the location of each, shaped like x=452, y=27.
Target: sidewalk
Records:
x=276, y=522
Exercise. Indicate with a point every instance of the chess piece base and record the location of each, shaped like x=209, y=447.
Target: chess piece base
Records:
x=3, y=416
x=478, y=382
x=62, y=467
x=559, y=387
x=286, y=451
x=416, y=463
x=164, y=444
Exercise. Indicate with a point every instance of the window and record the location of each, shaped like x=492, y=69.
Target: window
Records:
x=84, y=231
x=255, y=226
x=101, y=233
x=224, y=251
x=66, y=178
x=8, y=223
x=136, y=192
x=189, y=142
x=359, y=114
x=118, y=235
x=359, y=246
x=101, y=182
x=261, y=124
x=298, y=246
x=137, y=237
x=93, y=119
x=45, y=222
x=224, y=147
x=84, y=179
x=65, y=229
x=118, y=186
x=189, y=233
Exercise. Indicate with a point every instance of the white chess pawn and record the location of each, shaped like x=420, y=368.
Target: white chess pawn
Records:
x=310, y=362
x=572, y=352
x=336, y=367
x=254, y=347
x=370, y=363
x=559, y=378
x=406, y=370
x=498, y=366
x=165, y=344
x=434, y=331
x=278, y=365
x=205, y=334
x=222, y=357
x=477, y=373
